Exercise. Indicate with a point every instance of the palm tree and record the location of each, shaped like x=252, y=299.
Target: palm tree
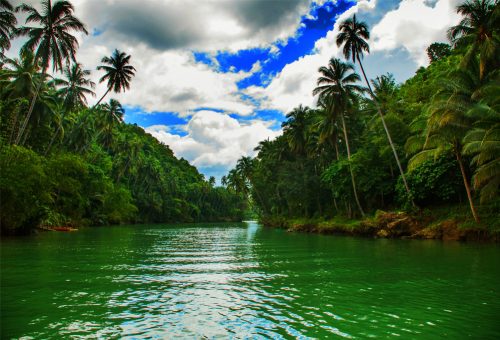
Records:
x=8, y=23
x=353, y=35
x=328, y=127
x=296, y=129
x=448, y=123
x=112, y=114
x=483, y=141
x=51, y=39
x=20, y=77
x=118, y=72
x=337, y=87
x=479, y=30
x=73, y=90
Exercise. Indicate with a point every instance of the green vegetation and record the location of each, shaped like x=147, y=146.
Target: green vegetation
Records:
x=63, y=163
x=427, y=146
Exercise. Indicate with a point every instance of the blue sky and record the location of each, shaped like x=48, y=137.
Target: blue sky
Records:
x=313, y=26
x=216, y=77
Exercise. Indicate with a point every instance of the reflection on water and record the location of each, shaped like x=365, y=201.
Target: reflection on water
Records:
x=242, y=280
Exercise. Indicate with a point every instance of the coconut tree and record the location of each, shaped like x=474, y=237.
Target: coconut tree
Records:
x=336, y=86
x=479, y=30
x=19, y=80
x=353, y=35
x=51, y=39
x=8, y=23
x=20, y=76
x=295, y=128
x=483, y=141
x=327, y=126
x=111, y=114
x=118, y=73
x=448, y=123
x=73, y=91
x=75, y=88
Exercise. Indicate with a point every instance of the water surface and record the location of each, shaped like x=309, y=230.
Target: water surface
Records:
x=243, y=280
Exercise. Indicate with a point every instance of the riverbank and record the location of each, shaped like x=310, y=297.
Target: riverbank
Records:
x=419, y=225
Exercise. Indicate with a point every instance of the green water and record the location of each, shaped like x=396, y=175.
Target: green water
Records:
x=243, y=280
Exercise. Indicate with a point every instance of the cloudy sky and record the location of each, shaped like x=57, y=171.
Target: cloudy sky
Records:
x=215, y=77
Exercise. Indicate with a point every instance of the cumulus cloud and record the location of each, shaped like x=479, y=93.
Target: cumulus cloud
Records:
x=404, y=32
x=205, y=25
x=215, y=141
x=414, y=25
x=171, y=81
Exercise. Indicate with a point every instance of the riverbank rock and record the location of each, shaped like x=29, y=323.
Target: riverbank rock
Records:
x=396, y=224
x=391, y=225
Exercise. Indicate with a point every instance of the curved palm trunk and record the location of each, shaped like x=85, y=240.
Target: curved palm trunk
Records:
x=335, y=144
x=467, y=186
x=100, y=100
x=54, y=137
x=350, y=167
x=14, y=124
x=30, y=110
x=386, y=131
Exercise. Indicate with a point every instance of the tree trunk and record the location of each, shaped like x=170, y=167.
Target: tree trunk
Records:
x=467, y=186
x=386, y=130
x=54, y=137
x=14, y=124
x=350, y=167
x=32, y=106
x=100, y=100
x=335, y=205
x=335, y=144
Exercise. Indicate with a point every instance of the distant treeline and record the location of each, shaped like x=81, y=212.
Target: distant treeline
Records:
x=65, y=163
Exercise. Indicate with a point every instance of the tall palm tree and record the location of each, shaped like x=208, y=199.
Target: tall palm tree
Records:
x=328, y=127
x=483, y=141
x=112, y=115
x=448, y=123
x=20, y=76
x=118, y=72
x=479, y=29
x=296, y=129
x=19, y=80
x=353, y=35
x=336, y=86
x=8, y=23
x=51, y=39
x=73, y=90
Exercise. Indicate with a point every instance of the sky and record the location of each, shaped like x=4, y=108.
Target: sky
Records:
x=215, y=77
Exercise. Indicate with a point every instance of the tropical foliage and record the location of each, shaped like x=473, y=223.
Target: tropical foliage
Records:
x=431, y=141
x=65, y=163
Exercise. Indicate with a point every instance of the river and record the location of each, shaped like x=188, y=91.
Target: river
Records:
x=243, y=280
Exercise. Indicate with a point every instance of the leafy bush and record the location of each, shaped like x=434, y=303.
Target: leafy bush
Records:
x=435, y=181
x=24, y=189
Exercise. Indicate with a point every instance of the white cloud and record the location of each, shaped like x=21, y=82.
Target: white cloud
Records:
x=215, y=141
x=294, y=84
x=414, y=25
x=204, y=25
x=170, y=81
